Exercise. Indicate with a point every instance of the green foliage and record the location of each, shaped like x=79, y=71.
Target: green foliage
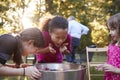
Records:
x=92, y=13
x=3, y=8
x=10, y=16
x=87, y=12
x=2, y=31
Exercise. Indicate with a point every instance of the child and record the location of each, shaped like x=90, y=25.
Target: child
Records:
x=27, y=42
x=112, y=67
x=76, y=30
x=57, y=40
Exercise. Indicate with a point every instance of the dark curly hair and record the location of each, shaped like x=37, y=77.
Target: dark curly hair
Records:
x=58, y=22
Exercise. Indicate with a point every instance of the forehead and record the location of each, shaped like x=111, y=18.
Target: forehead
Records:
x=58, y=31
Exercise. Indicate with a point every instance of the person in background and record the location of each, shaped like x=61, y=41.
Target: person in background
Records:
x=57, y=40
x=83, y=54
x=14, y=47
x=76, y=30
x=112, y=67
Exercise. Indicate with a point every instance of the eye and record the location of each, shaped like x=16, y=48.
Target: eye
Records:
x=64, y=38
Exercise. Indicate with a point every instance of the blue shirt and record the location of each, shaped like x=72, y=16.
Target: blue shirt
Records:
x=76, y=29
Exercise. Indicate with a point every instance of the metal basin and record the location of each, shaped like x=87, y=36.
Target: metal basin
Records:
x=59, y=71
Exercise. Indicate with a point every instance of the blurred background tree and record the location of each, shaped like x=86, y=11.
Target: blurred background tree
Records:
x=16, y=15
x=10, y=15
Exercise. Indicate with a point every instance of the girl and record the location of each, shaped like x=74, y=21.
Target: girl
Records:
x=57, y=41
x=28, y=42
x=112, y=67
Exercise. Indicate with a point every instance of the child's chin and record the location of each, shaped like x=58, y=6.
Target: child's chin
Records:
x=58, y=45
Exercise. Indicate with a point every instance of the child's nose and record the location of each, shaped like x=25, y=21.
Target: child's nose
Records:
x=60, y=41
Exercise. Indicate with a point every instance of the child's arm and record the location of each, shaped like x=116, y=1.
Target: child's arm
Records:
x=15, y=66
x=9, y=71
x=84, y=29
x=47, y=49
x=43, y=50
x=10, y=65
x=110, y=68
x=31, y=72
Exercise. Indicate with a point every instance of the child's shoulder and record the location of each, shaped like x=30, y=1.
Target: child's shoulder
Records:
x=45, y=34
x=110, y=46
x=7, y=38
x=68, y=36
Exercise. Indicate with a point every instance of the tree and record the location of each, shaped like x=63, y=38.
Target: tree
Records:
x=92, y=13
x=11, y=13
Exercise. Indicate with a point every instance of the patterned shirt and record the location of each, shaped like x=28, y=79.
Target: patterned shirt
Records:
x=113, y=59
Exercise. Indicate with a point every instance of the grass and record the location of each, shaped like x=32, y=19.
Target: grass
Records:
x=96, y=57
x=13, y=78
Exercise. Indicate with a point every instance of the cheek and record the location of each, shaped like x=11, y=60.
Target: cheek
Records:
x=54, y=39
x=30, y=50
x=25, y=51
x=113, y=33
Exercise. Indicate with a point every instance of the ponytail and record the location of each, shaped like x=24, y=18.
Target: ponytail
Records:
x=17, y=57
x=45, y=24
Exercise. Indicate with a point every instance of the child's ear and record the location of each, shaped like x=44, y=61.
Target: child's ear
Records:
x=31, y=42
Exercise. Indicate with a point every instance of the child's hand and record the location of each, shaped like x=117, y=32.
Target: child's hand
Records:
x=24, y=65
x=110, y=68
x=52, y=50
x=32, y=72
x=100, y=67
x=63, y=48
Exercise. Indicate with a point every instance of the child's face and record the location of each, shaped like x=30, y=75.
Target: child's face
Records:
x=29, y=48
x=113, y=33
x=58, y=36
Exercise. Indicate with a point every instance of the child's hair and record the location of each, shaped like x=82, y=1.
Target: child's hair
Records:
x=33, y=34
x=58, y=22
x=114, y=23
x=44, y=21
x=44, y=25
x=26, y=35
x=49, y=24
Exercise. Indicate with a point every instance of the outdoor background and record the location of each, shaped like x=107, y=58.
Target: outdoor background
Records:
x=16, y=15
